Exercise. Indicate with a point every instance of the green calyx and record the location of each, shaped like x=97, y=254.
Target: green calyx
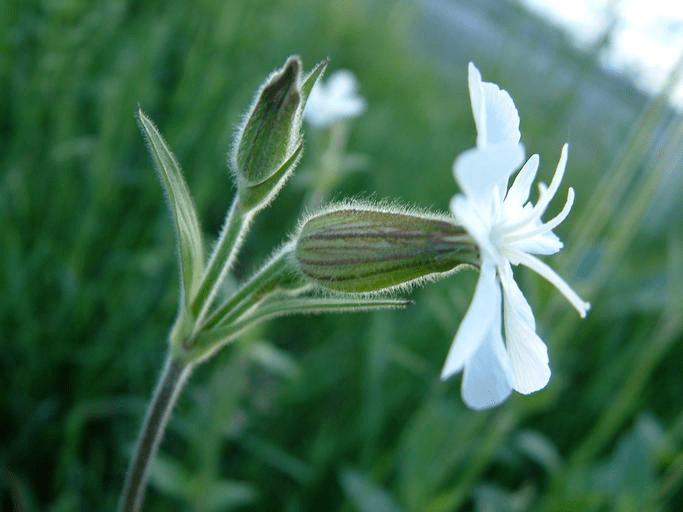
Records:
x=361, y=250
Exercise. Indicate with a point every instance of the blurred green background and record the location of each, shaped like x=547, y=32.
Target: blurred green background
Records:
x=324, y=412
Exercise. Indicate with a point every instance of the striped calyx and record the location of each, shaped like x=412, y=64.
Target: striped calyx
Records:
x=363, y=250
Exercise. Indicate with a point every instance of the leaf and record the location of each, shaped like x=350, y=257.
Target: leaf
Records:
x=228, y=494
x=491, y=498
x=185, y=220
x=366, y=495
x=289, y=305
x=311, y=79
x=631, y=468
x=428, y=454
x=208, y=342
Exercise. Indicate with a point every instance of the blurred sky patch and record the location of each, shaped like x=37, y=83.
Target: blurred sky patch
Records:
x=645, y=41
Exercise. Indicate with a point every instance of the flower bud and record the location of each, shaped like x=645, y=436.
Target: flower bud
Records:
x=369, y=250
x=269, y=141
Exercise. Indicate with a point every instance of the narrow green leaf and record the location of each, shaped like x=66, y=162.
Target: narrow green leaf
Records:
x=311, y=79
x=185, y=220
x=274, y=456
x=210, y=341
x=273, y=359
x=316, y=305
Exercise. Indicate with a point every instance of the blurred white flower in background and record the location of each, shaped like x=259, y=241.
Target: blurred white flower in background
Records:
x=496, y=344
x=334, y=100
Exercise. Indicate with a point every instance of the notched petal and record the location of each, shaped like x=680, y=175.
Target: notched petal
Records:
x=477, y=100
x=528, y=354
x=502, y=118
x=494, y=111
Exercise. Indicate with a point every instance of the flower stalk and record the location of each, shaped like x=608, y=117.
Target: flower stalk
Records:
x=173, y=377
x=221, y=261
x=275, y=272
x=330, y=108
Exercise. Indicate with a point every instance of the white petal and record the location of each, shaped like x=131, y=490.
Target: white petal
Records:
x=518, y=194
x=545, y=244
x=502, y=118
x=342, y=83
x=476, y=219
x=495, y=115
x=486, y=381
x=314, y=103
x=528, y=354
x=334, y=100
x=537, y=236
x=351, y=107
x=316, y=111
x=514, y=296
x=477, y=100
x=482, y=316
x=480, y=171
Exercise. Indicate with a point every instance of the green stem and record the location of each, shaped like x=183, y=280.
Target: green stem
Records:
x=252, y=291
x=330, y=163
x=221, y=259
x=173, y=377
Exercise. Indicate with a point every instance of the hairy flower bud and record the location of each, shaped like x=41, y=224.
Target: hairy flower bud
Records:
x=268, y=143
x=269, y=133
x=365, y=249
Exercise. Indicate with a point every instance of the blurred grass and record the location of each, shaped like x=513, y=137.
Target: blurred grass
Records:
x=345, y=412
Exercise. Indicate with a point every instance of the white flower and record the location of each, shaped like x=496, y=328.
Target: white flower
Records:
x=496, y=344
x=334, y=100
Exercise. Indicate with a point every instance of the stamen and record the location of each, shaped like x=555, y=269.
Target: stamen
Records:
x=545, y=195
x=554, y=278
x=521, y=186
x=546, y=226
x=559, y=218
x=532, y=215
x=549, y=193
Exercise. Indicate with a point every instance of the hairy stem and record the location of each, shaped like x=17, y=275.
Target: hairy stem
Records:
x=254, y=289
x=173, y=377
x=221, y=260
